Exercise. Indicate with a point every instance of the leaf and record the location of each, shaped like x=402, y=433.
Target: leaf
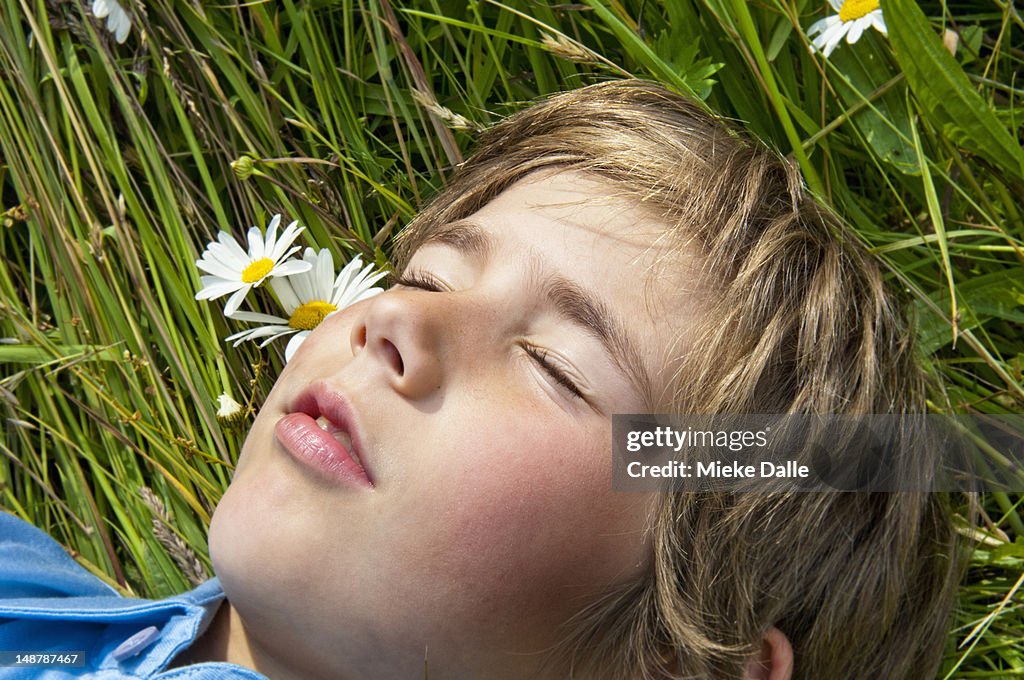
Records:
x=939, y=224
x=1015, y=549
x=35, y=354
x=996, y=295
x=944, y=90
x=884, y=121
x=683, y=57
x=637, y=49
x=780, y=35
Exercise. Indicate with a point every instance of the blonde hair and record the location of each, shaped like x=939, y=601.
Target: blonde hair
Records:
x=796, y=320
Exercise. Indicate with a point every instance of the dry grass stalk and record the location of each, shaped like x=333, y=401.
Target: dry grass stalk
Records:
x=176, y=547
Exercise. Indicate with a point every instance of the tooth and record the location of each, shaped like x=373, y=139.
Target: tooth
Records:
x=346, y=441
x=343, y=438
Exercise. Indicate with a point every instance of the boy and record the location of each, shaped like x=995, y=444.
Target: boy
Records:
x=428, y=486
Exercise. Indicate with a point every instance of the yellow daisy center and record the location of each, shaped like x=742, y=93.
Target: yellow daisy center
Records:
x=308, y=316
x=257, y=269
x=855, y=9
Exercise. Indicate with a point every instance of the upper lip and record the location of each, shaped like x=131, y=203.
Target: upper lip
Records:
x=320, y=399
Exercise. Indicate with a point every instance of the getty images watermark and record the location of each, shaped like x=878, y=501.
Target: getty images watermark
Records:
x=773, y=453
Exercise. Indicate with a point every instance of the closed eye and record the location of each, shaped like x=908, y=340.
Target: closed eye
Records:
x=428, y=282
x=421, y=280
x=543, y=358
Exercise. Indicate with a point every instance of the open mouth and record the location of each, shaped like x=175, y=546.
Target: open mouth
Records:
x=341, y=436
x=320, y=432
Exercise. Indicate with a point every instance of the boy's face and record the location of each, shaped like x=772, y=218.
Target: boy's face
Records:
x=481, y=412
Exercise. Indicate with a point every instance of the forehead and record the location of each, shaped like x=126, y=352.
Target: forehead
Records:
x=574, y=225
x=570, y=209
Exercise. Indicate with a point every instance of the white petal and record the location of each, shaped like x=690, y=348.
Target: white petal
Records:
x=273, y=332
x=878, y=21
x=215, y=287
x=228, y=406
x=242, y=336
x=352, y=295
x=832, y=37
x=285, y=294
x=366, y=295
x=231, y=247
x=215, y=252
x=819, y=26
x=304, y=285
x=351, y=291
x=856, y=30
x=271, y=239
x=239, y=338
x=291, y=232
x=257, y=317
x=291, y=268
x=836, y=5
x=268, y=332
x=278, y=334
x=287, y=255
x=236, y=257
x=366, y=278
x=124, y=25
x=294, y=344
x=348, y=272
x=324, y=278
x=256, y=248
x=235, y=301
x=218, y=269
x=835, y=32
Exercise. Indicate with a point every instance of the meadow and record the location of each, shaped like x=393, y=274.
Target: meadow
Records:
x=124, y=152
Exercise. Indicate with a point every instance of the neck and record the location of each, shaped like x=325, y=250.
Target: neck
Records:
x=227, y=640
x=224, y=640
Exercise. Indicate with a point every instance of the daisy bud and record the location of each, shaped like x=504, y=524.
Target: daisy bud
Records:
x=231, y=413
x=243, y=167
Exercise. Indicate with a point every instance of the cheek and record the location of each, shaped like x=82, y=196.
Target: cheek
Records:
x=529, y=521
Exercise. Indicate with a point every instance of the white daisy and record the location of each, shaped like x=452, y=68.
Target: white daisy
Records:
x=310, y=298
x=118, y=21
x=235, y=271
x=853, y=18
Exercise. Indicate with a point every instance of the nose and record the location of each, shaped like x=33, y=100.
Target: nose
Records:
x=401, y=335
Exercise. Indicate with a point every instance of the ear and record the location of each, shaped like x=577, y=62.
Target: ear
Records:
x=775, y=662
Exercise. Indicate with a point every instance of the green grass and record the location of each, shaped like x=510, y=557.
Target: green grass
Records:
x=121, y=161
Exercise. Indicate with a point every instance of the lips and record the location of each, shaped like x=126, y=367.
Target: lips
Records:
x=339, y=434
x=320, y=432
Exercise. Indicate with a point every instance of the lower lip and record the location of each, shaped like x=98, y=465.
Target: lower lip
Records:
x=313, y=446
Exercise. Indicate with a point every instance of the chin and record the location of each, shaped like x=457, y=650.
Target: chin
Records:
x=241, y=532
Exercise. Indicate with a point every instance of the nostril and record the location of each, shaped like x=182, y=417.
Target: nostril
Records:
x=361, y=337
x=393, y=356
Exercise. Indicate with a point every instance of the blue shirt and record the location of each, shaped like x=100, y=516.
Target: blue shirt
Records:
x=50, y=604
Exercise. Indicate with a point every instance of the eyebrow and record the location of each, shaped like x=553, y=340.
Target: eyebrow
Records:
x=570, y=300
x=467, y=237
